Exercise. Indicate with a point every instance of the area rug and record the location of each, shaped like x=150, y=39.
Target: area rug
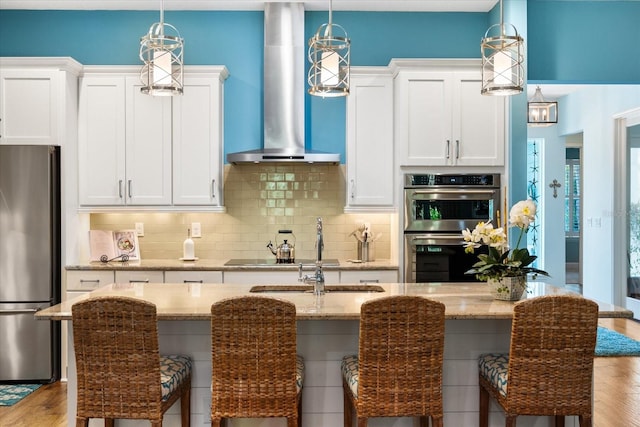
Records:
x=612, y=343
x=10, y=394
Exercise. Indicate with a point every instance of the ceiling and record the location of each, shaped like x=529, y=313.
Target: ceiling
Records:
x=355, y=5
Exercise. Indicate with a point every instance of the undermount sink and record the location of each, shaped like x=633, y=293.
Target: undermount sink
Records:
x=260, y=262
x=309, y=288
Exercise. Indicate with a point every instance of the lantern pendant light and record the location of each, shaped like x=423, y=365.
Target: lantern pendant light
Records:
x=161, y=50
x=502, y=60
x=541, y=113
x=329, y=55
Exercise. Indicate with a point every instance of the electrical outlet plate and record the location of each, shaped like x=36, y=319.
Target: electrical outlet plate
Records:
x=196, y=230
x=140, y=229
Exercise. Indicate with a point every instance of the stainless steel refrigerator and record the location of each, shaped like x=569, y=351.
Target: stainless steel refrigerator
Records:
x=30, y=263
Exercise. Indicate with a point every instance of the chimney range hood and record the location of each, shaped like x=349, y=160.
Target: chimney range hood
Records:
x=284, y=91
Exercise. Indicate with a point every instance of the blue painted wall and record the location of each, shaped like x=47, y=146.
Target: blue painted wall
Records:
x=584, y=41
x=566, y=41
x=235, y=39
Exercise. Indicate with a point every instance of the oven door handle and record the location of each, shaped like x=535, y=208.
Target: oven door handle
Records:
x=455, y=191
x=437, y=239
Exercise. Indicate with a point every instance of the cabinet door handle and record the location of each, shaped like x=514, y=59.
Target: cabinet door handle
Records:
x=457, y=149
x=353, y=189
x=139, y=281
x=129, y=187
x=120, y=189
x=193, y=281
x=448, y=154
x=369, y=281
x=213, y=188
x=89, y=281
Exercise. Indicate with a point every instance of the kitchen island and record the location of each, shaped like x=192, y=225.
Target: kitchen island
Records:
x=328, y=330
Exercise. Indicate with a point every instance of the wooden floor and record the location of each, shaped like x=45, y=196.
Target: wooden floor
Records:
x=616, y=403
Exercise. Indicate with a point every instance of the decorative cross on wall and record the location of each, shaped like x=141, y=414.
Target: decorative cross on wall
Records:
x=555, y=185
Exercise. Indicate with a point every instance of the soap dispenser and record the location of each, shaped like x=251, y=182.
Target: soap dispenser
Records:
x=188, y=249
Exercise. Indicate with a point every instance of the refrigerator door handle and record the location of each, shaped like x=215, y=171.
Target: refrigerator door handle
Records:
x=20, y=311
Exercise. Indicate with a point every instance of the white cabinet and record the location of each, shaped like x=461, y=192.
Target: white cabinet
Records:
x=441, y=117
x=370, y=145
x=124, y=143
x=34, y=108
x=139, y=276
x=79, y=283
x=197, y=142
x=369, y=276
x=140, y=150
x=193, y=276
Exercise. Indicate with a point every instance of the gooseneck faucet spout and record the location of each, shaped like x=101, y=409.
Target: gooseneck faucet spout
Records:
x=318, y=278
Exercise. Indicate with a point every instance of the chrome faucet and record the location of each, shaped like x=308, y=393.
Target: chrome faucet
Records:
x=318, y=278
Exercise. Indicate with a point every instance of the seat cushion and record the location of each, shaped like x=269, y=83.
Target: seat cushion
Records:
x=299, y=372
x=349, y=370
x=494, y=368
x=174, y=369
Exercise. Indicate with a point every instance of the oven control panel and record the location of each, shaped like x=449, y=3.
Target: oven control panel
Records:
x=462, y=180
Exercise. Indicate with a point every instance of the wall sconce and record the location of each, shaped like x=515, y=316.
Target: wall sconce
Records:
x=329, y=55
x=540, y=112
x=161, y=50
x=502, y=60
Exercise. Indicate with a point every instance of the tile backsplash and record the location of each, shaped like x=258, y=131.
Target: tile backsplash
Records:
x=260, y=200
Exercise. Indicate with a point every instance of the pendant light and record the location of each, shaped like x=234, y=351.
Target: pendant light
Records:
x=329, y=55
x=502, y=60
x=161, y=50
x=541, y=113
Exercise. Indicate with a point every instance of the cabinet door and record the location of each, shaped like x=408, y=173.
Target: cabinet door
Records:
x=369, y=276
x=29, y=101
x=193, y=276
x=197, y=143
x=139, y=276
x=101, y=141
x=148, y=147
x=424, y=118
x=478, y=123
x=370, y=142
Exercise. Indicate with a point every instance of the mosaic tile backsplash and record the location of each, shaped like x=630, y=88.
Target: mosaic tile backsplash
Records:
x=260, y=200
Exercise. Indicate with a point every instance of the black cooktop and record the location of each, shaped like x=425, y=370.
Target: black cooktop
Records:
x=272, y=261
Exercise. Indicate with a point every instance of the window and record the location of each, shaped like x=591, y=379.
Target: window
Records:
x=572, y=197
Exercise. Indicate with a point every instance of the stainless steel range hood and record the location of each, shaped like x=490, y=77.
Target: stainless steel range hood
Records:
x=284, y=90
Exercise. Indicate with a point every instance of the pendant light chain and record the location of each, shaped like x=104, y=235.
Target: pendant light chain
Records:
x=329, y=55
x=162, y=54
x=502, y=60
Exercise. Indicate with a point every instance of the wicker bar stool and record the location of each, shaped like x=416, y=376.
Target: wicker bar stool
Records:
x=549, y=368
x=256, y=372
x=121, y=374
x=398, y=370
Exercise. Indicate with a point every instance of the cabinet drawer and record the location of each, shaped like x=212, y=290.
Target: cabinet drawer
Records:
x=193, y=276
x=369, y=276
x=274, y=277
x=88, y=280
x=139, y=276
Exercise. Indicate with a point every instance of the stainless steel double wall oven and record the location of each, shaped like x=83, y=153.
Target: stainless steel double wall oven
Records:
x=437, y=207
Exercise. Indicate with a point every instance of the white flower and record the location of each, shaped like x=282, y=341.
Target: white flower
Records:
x=484, y=234
x=522, y=214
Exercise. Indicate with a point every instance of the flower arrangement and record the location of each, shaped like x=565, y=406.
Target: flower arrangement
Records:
x=501, y=261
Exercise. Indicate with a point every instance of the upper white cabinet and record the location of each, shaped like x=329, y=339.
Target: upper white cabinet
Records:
x=140, y=150
x=370, y=145
x=197, y=142
x=441, y=117
x=34, y=108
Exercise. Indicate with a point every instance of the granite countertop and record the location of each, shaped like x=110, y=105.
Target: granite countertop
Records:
x=191, y=301
x=219, y=265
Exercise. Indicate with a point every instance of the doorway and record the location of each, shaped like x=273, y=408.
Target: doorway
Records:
x=627, y=211
x=573, y=211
